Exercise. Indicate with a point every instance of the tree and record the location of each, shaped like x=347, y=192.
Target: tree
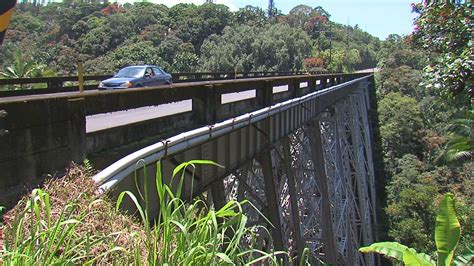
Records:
x=341, y=59
x=314, y=64
x=185, y=61
x=460, y=146
x=402, y=79
x=410, y=206
x=402, y=120
x=447, y=235
x=136, y=53
x=252, y=16
x=444, y=29
x=231, y=51
x=195, y=23
x=396, y=51
x=156, y=33
x=115, y=29
x=144, y=14
x=317, y=26
x=24, y=67
x=280, y=48
x=169, y=48
x=299, y=15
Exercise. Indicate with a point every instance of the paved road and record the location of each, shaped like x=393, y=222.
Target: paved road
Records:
x=108, y=120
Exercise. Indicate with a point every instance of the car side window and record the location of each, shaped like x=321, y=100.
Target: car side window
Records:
x=158, y=71
x=149, y=72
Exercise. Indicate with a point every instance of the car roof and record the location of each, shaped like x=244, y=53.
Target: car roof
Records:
x=142, y=66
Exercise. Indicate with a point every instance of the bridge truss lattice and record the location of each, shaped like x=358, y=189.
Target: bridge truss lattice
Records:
x=325, y=169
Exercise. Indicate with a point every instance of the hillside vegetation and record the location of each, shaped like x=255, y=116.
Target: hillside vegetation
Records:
x=183, y=38
x=424, y=90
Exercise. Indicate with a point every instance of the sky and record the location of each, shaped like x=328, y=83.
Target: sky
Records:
x=378, y=17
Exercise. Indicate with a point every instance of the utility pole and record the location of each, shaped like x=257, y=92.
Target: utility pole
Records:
x=347, y=32
x=330, y=42
x=271, y=9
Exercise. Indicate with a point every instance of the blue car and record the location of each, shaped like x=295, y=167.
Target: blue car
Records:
x=137, y=76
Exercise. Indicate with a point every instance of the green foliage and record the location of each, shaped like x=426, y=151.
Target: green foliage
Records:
x=402, y=79
x=402, y=119
x=411, y=212
x=135, y=53
x=188, y=37
x=171, y=46
x=422, y=158
x=399, y=252
x=231, y=51
x=195, y=23
x=49, y=240
x=447, y=230
x=444, y=29
x=145, y=14
x=447, y=233
x=396, y=51
x=280, y=48
x=460, y=146
x=342, y=59
x=24, y=67
x=252, y=16
x=199, y=235
x=64, y=227
x=87, y=165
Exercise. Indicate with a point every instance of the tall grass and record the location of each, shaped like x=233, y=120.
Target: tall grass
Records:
x=191, y=233
x=37, y=235
x=82, y=228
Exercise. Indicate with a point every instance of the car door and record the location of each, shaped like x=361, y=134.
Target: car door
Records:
x=149, y=78
x=160, y=76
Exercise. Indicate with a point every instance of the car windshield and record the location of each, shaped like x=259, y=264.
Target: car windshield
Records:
x=130, y=72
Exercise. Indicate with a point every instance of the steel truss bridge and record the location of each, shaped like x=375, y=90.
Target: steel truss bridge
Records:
x=300, y=148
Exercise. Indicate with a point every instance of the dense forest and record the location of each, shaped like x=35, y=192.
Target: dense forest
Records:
x=424, y=90
x=424, y=83
x=183, y=38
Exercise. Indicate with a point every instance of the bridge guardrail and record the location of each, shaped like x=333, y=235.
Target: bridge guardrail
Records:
x=60, y=84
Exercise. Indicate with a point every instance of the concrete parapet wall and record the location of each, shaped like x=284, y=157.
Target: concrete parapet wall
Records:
x=42, y=137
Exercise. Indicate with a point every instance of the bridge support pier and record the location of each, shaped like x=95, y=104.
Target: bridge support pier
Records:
x=314, y=134
x=273, y=212
x=290, y=175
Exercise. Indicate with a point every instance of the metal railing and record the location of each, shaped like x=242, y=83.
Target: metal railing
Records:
x=71, y=83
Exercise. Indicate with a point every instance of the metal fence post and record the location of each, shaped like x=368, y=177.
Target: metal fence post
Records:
x=80, y=74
